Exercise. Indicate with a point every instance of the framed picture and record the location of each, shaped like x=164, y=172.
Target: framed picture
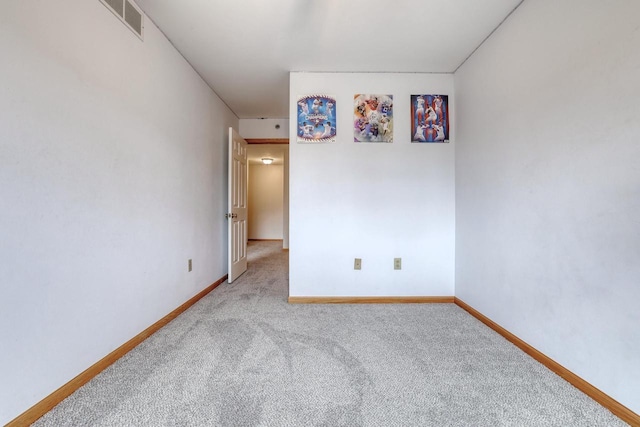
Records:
x=316, y=119
x=429, y=118
x=373, y=118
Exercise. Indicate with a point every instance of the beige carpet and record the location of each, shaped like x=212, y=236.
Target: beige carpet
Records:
x=242, y=356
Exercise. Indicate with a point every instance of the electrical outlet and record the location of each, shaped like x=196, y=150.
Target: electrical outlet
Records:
x=397, y=263
x=190, y=265
x=357, y=264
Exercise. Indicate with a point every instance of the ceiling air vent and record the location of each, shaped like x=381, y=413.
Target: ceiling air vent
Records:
x=128, y=13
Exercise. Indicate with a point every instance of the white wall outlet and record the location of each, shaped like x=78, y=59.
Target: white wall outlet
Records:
x=397, y=263
x=357, y=264
x=190, y=265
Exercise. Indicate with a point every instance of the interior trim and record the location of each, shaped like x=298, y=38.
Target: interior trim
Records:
x=370, y=300
x=45, y=405
x=618, y=409
x=267, y=140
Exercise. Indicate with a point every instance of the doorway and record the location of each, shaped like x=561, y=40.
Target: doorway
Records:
x=268, y=203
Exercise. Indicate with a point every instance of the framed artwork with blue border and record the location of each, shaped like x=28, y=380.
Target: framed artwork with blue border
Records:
x=316, y=119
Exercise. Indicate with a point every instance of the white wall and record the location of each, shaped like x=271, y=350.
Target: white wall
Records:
x=373, y=201
x=112, y=166
x=265, y=201
x=264, y=128
x=548, y=185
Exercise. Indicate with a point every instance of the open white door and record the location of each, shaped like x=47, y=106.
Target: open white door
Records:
x=237, y=215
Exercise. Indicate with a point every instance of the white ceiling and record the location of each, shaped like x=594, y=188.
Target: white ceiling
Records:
x=245, y=49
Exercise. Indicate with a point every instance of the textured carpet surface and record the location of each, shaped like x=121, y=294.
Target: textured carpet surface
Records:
x=242, y=356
